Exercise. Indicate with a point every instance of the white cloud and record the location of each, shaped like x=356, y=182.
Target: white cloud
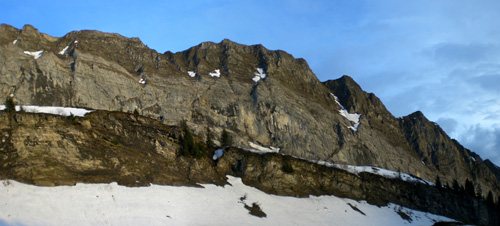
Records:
x=483, y=139
x=442, y=58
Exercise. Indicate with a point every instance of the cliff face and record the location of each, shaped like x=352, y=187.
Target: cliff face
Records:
x=437, y=150
x=133, y=150
x=222, y=85
x=102, y=147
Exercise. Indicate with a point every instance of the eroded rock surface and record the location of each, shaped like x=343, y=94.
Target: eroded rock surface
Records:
x=289, y=109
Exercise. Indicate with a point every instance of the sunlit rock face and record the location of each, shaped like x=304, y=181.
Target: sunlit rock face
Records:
x=215, y=85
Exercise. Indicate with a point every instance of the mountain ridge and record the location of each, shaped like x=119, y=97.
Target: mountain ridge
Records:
x=289, y=109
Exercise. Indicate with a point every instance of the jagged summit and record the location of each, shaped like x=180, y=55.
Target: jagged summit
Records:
x=226, y=43
x=264, y=98
x=353, y=97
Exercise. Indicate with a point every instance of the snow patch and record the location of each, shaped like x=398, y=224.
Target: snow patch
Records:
x=113, y=204
x=218, y=153
x=35, y=55
x=374, y=170
x=192, y=74
x=216, y=73
x=64, y=50
x=351, y=117
x=473, y=159
x=259, y=75
x=63, y=111
x=15, y=41
x=260, y=149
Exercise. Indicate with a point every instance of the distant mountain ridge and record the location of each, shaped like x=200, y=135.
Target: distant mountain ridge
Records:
x=289, y=108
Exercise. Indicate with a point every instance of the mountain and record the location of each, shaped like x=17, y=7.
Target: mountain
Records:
x=133, y=150
x=265, y=99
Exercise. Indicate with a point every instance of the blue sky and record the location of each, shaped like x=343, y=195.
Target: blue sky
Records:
x=439, y=57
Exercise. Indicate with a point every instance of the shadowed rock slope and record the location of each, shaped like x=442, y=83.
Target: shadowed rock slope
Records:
x=415, y=133
x=289, y=109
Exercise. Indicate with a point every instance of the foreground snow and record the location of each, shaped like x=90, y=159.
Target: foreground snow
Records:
x=111, y=204
x=63, y=111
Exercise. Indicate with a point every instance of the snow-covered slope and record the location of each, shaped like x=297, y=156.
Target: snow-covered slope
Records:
x=112, y=204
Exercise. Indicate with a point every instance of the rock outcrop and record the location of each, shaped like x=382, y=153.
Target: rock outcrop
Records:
x=51, y=150
x=133, y=150
x=213, y=85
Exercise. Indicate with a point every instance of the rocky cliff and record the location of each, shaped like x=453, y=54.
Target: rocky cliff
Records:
x=265, y=97
x=133, y=150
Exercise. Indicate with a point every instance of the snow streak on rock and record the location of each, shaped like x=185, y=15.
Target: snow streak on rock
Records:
x=351, y=117
x=35, y=55
x=63, y=111
x=373, y=170
x=64, y=50
x=260, y=149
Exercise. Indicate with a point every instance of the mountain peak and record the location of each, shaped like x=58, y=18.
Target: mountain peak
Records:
x=228, y=42
x=28, y=28
x=351, y=96
x=5, y=27
x=214, y=85
x=418, y=116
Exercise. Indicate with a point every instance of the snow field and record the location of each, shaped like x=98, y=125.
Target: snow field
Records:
x=112, y=204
